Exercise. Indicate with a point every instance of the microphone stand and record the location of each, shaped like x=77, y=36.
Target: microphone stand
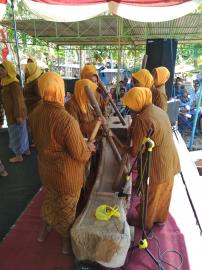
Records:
x=148, y=146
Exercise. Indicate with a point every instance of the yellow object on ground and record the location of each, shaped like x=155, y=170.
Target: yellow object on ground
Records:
x=105, y=212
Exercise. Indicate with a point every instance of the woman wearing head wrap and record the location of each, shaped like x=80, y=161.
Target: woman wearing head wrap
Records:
x=15, y=110
x=31, y=91
x=165, y=161
x=79, y=107
x=142, y=78
x=159, y=98
x=90, y=72
x=62, y=154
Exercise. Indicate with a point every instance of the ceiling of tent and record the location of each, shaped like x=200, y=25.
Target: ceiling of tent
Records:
x=111, y=30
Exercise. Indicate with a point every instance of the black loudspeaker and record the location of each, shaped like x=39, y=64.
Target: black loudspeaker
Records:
x=162, y=52
x=69, y=85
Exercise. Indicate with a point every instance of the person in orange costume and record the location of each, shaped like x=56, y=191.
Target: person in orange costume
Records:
x=165, y=161
x=159, y=97
x=62, y=155
x=79, y=107
x=90, y=72
x=142, y=78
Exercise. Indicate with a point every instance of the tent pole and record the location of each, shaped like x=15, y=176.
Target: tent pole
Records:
x=119, y=57
x=16, y=41
x=195, y=118
x=58, y=58
x=80, y=58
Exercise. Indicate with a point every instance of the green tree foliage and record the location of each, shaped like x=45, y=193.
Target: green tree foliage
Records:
x=129, y=56
x=191, y=54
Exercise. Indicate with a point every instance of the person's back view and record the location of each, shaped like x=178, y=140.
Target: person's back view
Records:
x=62, y=154
x=159, y=97
x=165, y=161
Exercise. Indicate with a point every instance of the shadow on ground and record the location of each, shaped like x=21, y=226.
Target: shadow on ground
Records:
x=18, y=188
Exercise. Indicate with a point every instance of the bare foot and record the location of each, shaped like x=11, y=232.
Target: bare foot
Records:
x=44, y=233
x=160, y=224
x=27, y=153
x=66, y=246
x=16, y=159
x=4, y=173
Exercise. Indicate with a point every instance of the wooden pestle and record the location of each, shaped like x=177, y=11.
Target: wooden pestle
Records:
x=96, y=107
x=102, y=87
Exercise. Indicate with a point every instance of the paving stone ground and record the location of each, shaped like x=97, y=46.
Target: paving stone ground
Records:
x=197, y=142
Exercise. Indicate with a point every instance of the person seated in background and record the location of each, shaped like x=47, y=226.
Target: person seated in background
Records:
x=122, y=109
x=165, y=160
x=62, y=155
x=121, y=85
x=79, y=107
x=142, y=78
x=185, y=100
x=126, y=84
x=178, y=88
x=159, y=97
x=122, y=92
x=194, y=95
x=68, y=95
x=112, y=91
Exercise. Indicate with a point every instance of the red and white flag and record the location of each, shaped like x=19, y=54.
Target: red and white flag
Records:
x=138, y=10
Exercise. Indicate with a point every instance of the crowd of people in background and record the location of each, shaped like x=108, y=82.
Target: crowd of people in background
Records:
x=60, y=125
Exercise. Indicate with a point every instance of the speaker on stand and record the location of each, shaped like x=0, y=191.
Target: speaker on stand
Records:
x=162, y=52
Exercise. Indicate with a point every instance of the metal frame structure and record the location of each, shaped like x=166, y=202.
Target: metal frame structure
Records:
x=111, y=30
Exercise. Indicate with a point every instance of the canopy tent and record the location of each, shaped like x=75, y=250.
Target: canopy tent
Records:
x=139, y=10
x=78, y=10
x=111, y=30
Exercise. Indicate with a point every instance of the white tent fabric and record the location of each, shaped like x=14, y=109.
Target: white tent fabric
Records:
x=2, y=8
x=65, y=13
x=153, y=14
x=51, y=11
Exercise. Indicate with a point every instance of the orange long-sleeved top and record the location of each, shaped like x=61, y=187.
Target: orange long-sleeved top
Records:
x=62, y=151
x=165, y=161
x=86, y=121
x=13, y=102
x=159, y=97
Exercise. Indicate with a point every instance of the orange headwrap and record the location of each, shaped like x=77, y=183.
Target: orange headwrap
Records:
x=161, y=76
x=88, y=71
x=137, y=98
x=51, y=86
x=144, y=77
x=80, y=94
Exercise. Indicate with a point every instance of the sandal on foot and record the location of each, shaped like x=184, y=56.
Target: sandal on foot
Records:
x=16, y=159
